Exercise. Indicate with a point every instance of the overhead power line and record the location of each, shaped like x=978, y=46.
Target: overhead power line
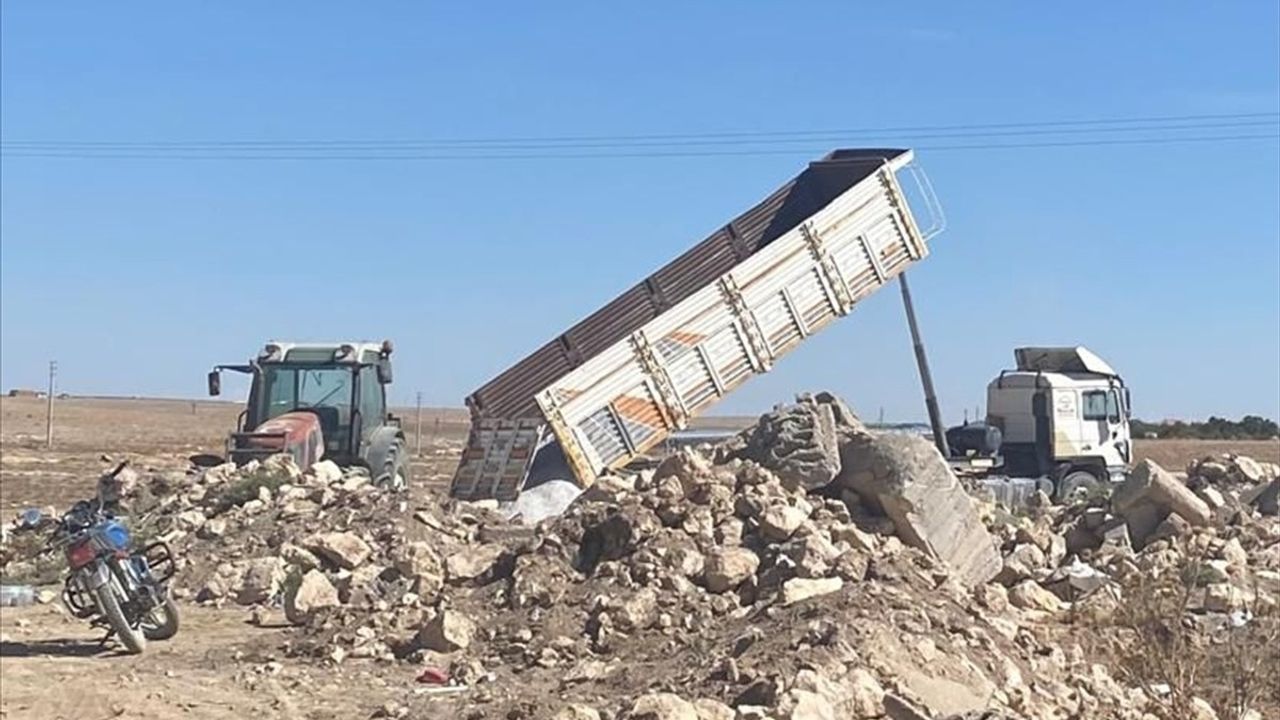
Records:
x=613, y=154
x=1165, y=122
x=405, y=146
x=1063, y=133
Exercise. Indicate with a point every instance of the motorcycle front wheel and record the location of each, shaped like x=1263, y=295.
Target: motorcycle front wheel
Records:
x=162, y=623
x=132, y=638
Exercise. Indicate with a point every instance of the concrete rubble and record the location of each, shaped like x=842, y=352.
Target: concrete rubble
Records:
x=806, y=569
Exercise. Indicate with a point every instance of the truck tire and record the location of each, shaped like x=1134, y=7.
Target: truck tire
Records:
x=394, y=473
x=165, y=629
x=1078, y=482
x=131, y=637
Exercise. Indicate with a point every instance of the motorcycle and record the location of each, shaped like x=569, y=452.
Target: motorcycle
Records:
x=111, y=584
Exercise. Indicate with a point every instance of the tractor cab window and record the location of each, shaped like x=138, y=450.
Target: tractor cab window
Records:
x=372, y=405
x=1113, y=407
x=1094, y=405
x=289, y=388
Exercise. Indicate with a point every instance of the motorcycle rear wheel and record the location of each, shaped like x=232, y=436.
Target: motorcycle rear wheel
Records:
x=162, y=630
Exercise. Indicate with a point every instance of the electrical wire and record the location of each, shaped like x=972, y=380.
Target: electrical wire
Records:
x=1035, y=127
x=1158, y=130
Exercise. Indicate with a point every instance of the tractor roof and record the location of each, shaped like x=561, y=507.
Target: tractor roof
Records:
x=284, y=351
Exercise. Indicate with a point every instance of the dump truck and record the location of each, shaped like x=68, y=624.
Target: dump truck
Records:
x=1057, y=421
x=318, y=401
x=641, y=367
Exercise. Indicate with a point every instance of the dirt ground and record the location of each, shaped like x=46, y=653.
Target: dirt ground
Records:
x=218, y=666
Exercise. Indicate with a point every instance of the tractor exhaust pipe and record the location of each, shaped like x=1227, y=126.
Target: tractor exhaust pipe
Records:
x=926, y=379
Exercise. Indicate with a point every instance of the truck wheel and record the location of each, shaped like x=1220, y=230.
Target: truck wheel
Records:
x=395, y=469
x=1077, y=484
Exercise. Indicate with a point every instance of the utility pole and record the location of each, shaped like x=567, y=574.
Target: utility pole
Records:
x=417, y=431
x=926, y=379
x=48, y=410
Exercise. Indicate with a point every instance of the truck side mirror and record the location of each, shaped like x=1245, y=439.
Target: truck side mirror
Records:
x=384, y=370
x=215, y=383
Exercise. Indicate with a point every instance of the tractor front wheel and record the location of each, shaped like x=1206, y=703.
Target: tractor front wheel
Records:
x=394, y=473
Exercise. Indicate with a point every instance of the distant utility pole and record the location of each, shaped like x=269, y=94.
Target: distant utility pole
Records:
x=417, y=432
x=48, y=410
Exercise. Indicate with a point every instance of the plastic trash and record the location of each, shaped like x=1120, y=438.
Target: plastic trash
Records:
x=547, y=500
x=433, y=676
x=30, y=518
x=15, y=595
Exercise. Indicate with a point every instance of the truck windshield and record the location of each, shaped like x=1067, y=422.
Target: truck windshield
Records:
x=286, y=388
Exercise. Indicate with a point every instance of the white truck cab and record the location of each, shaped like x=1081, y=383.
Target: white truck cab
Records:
x=1061, y=414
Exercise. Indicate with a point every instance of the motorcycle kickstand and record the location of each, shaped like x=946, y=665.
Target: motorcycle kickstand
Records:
x=102, y=644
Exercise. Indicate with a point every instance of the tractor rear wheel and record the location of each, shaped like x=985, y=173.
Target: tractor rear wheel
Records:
x=394, y=473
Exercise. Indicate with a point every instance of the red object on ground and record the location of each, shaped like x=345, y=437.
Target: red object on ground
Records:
x=433, y=676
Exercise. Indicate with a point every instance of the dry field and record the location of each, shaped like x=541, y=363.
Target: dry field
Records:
x=158, y=434
x=164, y=433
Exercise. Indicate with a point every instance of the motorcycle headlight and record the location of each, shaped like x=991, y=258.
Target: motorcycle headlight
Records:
x=81, y=554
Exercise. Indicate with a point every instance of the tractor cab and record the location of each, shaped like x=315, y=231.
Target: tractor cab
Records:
x=317, y=400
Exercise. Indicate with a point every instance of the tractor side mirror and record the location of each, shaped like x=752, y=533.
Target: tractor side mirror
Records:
x=384, y=370
x=215, y=383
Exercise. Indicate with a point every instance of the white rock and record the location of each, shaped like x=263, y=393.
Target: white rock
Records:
x=662, y=706
x=805, y=705
x=798, y=589
x=448, y=631
x=311, y=594
x=472, y=562
x=325, y=472
x=1029, y=595
x=726, y=568
x=344, y=549
x=576, y=711
x=779, y=522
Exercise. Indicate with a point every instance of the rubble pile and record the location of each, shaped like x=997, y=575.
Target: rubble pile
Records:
x=806, y=569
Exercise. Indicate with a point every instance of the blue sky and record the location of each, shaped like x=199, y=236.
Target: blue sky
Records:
x=138, y=274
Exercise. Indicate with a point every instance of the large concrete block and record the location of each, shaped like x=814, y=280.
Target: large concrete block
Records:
x=907, y=478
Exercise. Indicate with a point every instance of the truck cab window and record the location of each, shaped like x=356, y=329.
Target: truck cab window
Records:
x=1113, y=407
x=1094, y=405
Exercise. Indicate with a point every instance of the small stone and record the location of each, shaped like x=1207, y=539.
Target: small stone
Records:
x=258, y=579
x=312, y=593
x=799, y=589
x=1223, y=597
x=1029, y=595
x=447, y=632
x=780, y=522
x=344, y=549
x=472, y=563
x=866, y=696
x=576, y=711
x=419, y=562
x=709, y=709
x=1234, y=553
x=805, y=705
x=662, y=706
x=727, y=568
x=325, y=472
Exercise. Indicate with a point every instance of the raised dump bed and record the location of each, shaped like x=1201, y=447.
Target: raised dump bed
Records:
x=642, y=366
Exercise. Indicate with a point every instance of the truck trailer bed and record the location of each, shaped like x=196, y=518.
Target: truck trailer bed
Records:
x=617, y=383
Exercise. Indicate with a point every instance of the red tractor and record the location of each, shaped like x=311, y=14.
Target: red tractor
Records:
x=320, y=401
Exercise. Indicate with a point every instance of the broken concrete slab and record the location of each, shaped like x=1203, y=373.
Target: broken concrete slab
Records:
x=800, y=443
x=907, y=478
x=1149, y=495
